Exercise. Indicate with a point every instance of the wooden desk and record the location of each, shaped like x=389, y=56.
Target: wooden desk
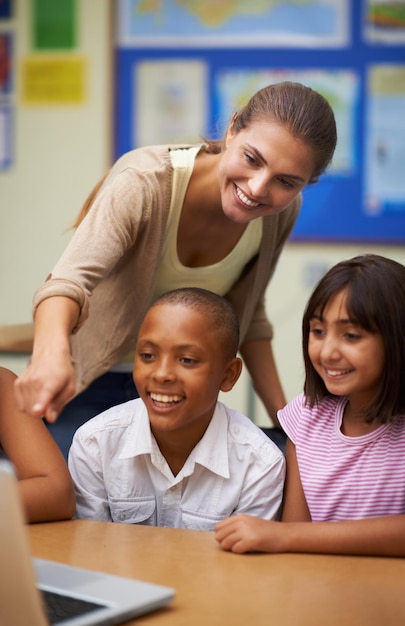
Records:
x=218, y=588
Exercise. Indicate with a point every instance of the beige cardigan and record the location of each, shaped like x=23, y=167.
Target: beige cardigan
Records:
x=109, y=266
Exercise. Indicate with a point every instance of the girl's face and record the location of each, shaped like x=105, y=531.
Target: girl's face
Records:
x=349, y=359
x=262, y=170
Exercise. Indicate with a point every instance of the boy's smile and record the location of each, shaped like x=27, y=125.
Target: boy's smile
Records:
x=163, y=401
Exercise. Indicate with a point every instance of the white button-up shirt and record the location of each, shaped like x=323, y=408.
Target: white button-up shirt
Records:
x=120, y=474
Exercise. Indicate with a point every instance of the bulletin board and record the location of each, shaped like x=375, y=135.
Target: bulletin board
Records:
x=183, y=68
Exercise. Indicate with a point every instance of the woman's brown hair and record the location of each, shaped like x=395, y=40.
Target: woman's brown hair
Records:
x=305, y=113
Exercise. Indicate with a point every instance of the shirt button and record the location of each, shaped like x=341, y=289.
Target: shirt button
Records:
x=122, y=516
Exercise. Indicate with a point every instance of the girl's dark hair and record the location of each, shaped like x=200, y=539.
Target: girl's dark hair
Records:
x=375, y=288
x=304, y=112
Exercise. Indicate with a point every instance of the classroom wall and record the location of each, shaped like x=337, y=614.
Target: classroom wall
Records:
x=59, y=152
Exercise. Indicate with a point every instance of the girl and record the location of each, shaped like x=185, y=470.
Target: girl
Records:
x=214, y=215
x=44, y=481
x=346, y=432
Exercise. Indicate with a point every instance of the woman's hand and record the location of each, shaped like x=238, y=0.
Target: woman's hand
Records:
x=46, y=386
x=49, y=381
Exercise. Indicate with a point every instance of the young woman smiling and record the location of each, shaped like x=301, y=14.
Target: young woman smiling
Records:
x=214, y=215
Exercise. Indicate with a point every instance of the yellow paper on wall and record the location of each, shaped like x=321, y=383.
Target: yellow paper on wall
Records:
x=53, y=80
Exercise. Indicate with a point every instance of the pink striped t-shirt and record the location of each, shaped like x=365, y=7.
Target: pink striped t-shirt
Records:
x=346, y=477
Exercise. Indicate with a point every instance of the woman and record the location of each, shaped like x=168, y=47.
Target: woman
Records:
x=215, y=215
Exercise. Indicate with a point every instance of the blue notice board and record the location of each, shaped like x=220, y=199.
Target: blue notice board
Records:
x=182, y=71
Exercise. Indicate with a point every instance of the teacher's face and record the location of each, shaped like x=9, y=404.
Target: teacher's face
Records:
x=262, y=170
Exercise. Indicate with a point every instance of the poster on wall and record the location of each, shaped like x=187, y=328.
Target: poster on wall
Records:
x=147, y=23
x=6, y=9
x=5, y=137
x=5, y=63
x=6, y=99
x=384, y=22
x=172, y=103
x=53, y=80
x=361, y=197
x=385, y=140
x=54, y=24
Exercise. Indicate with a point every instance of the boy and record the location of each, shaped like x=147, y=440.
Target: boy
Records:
x=176, y=456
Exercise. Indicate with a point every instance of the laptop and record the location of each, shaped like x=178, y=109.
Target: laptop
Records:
x=27, y=584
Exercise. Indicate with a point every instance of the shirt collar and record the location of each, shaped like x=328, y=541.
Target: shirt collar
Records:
x=210, y=452
x=139, y=440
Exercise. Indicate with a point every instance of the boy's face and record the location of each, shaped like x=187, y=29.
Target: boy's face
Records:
x=180, y=368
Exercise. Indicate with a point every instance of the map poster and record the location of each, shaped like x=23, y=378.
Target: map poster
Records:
x=241, y=23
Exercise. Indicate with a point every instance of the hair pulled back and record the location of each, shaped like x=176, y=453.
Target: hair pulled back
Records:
x=305, y=113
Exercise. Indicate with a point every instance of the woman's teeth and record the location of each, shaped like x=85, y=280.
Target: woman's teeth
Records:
x=245, y=199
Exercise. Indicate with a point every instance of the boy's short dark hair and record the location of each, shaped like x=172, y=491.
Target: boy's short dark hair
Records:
x=221, y=313
x=376, y=301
